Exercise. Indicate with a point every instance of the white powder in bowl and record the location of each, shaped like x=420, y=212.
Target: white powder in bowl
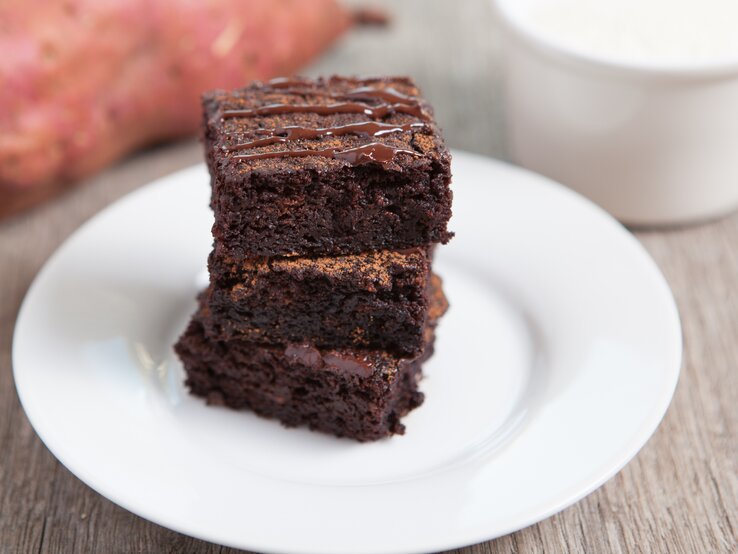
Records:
x=656, y=31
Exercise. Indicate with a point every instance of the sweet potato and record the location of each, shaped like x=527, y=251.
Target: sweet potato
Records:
x=84, y=82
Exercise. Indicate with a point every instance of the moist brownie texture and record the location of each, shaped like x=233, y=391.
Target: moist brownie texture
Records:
x=325, y=167
x=329, y=198
x=377, y=300
x=350, y=393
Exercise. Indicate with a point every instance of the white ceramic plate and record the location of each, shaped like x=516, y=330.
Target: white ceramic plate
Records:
x=555, y=363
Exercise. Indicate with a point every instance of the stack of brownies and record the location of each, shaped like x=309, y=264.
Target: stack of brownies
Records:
x=329, y=196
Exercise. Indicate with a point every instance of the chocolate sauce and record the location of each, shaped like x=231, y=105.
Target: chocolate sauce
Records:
x=375, y=112
x=287, y=134
x=391, y=101
x=287, y=82
x=365, y=91
x=388, y=94
x=372, y=152
x=307, y=355
x=348, y=364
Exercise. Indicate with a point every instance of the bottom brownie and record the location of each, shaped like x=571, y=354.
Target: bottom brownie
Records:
x=349, y=393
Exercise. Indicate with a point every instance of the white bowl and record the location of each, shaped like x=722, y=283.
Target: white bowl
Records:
x=652, y=144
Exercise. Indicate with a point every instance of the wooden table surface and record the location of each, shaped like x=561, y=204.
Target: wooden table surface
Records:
x=680, y=494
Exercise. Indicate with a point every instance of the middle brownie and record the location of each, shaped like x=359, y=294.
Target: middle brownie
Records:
x=377, y=300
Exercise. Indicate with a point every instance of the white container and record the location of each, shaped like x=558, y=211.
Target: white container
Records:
x=652, y=144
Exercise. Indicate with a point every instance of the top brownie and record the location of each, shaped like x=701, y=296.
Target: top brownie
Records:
x=330, y=166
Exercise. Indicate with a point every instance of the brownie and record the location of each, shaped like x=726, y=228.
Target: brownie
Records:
x=351, y=393
x=377, y=300
x=325, y=167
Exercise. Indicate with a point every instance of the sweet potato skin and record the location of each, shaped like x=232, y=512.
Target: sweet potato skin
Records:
x=84, y=82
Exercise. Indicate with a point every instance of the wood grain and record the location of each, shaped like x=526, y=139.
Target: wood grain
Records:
x=680, y=494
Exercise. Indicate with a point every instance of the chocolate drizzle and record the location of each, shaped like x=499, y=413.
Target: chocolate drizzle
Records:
x=291, y=133
x=340, y=362
x=364, y=90
x=388, y=101
x=289, y=82
x=387, y=94
x=366, y=153
x=286, y=82
x=375, y=112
